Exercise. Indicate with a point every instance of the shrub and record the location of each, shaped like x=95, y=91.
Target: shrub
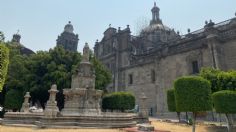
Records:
x=225, y=101
x=171, y=100
x=4, y=61
x=118, y=101
x=193, y=94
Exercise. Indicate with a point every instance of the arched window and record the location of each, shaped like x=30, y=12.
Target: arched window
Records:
x=153, y=76
x=130, y=78
x=195, y=67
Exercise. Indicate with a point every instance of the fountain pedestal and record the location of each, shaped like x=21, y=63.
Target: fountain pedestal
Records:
x=82, y=98
x=51, y=109
x=26, y=105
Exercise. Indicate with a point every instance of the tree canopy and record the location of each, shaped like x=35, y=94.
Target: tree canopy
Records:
x=2, y=37
x=193, y=94
x=220, y=80
x=4, y=61
x=37, y=72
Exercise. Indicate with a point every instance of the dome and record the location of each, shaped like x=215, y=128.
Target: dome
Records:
x=155, y=27
x=69, y=28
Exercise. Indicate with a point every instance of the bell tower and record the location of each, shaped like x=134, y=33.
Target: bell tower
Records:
x=155, y=15
x=68, y=39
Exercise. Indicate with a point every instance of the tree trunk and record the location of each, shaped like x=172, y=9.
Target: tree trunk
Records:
x=194, y=121
x=230, y=122
x=212, y=113
x=186, y=117
x=178, y=114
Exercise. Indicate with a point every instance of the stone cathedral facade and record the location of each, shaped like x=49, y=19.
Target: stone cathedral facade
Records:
x=68, y=39
x=150, y=62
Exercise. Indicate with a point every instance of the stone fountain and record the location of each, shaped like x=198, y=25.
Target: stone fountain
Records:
x=81, y=107
x=82, y=98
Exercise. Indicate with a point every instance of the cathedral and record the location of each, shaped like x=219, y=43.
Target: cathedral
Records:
x=150, y=62
x=68, y=39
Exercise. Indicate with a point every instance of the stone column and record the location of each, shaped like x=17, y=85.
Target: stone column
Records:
x=26, y=105
x=213, y=43
x=143, y=110
x=51, y=109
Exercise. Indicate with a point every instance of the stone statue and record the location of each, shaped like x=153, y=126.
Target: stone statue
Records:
x=26, y=105
x=86, y=53
x=51, y=109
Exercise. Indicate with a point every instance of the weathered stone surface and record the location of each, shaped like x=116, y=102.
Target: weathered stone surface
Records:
x=51, y=109
x=26, y=105
x=146, y=127
x=68, y=40
x=166, y=53
x=82, y=98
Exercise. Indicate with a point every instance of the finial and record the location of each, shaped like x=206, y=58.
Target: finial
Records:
x=18, y=31
x=178, y=32
x=97, y=40
x=109, y=25
x=86, y=44
x=119, y=29
x=155, y=4
x=188, y=30
x=54, y=87
x=206, y=22
x=210, y=21
x=127, y=26
x=86, y=53
x=69, y=22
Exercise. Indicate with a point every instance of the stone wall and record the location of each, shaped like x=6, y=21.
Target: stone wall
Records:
x=230, y=54
x=167, y=69
x=142, y=82
x=212, y=46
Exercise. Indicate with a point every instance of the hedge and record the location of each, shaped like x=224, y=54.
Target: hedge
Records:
x=171, y=100
x=4, y=61
x=192, y=94
x=118, y=101
x=225, y=101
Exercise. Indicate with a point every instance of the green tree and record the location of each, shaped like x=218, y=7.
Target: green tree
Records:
x=211, y=75
x=56, y=67
x=15, y=78
x=103, y=76
x=171, y=102
x=4, y=61
x=47, y=68
x=226, y=80
x=13, y=99
x=193, y=94
x=17, y=69
x=220, y=80
x=224, y=102
x=2, y=37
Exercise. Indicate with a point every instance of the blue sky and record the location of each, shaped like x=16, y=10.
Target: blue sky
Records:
x=41, y=21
